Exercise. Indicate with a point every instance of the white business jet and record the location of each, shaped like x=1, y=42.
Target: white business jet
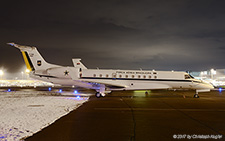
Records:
x=105, y=80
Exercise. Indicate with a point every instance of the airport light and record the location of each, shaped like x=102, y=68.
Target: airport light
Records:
x=213, y=72
x=1, y=73
x=201, y=74
x=78, y=97
x=220, y=90
x=27, y=71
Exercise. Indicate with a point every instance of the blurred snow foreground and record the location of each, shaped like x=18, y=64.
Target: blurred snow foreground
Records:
x=24, y=113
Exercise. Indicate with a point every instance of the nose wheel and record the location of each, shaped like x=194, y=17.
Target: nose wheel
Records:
x=196, y=96
x=98, y=95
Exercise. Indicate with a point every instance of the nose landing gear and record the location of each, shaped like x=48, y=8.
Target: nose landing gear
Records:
x=200, y=90
x=196, y=95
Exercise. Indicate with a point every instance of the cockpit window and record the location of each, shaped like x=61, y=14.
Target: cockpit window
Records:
x=187, y=76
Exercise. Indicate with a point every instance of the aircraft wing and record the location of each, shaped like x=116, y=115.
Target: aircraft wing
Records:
x=135, y=86
x=112, y=85
x=149, y=86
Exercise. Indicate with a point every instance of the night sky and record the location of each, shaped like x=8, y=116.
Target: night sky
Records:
x=116, y=34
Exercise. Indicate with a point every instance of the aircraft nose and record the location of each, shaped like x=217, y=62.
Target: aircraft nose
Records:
x=211, y=86
x=205, y=85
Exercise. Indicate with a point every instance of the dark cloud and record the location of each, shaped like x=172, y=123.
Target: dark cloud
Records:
x=155, y=34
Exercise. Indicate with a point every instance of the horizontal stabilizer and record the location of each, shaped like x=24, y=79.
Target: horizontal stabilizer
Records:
x=21, y=47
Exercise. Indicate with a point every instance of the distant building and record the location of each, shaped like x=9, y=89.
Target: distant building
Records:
x=216, y=77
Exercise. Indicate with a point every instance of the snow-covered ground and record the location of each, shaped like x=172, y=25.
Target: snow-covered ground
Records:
x=24, y=113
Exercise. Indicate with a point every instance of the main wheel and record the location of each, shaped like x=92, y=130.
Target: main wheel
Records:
x=98, y=95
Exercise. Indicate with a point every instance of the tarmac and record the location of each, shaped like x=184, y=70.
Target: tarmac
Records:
x=136, y=116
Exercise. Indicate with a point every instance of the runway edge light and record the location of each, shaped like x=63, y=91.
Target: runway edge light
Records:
x=78, y=97
x=220, y=89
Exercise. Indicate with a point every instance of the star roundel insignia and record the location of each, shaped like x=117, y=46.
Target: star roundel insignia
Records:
x=66, y=72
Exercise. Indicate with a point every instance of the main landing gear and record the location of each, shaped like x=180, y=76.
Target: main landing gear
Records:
x=98, y=94
x=200, y=90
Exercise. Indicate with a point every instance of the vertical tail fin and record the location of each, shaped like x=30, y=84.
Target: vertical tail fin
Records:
x=32, y=58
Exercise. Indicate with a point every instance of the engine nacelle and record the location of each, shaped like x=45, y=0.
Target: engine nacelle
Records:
x=63, y=72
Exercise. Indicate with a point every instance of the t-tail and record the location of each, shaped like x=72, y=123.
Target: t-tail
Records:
x=32, y=58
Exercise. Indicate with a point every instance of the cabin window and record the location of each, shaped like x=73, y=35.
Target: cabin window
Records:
x=149, y=76
x=155, y=77
x=120, y=76
x=107, y=75
x=100, y=75
x=154, y=72
x=139, y=76
x=132, y=76
x=144, y=76
x=94, y=75
x=80, y=70
x=126, y=76
x=114, y=75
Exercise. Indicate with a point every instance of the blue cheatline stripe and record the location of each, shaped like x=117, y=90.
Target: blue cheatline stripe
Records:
x=173, y=80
